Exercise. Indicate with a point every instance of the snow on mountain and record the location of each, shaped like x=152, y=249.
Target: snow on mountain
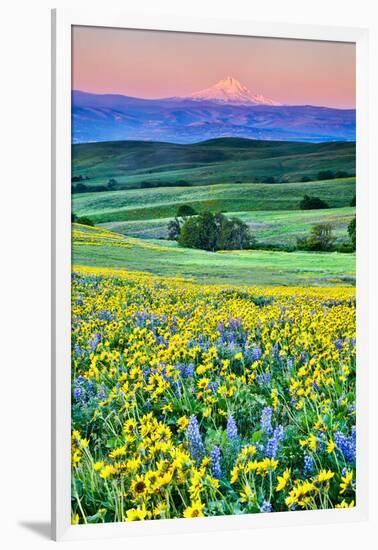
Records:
x=230, y=90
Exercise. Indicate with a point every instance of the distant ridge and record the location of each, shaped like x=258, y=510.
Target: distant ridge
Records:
x=111, y=117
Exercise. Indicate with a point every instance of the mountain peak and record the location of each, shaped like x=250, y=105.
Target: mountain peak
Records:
x=230, y=90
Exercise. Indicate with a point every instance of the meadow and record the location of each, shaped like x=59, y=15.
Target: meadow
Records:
x=194, y=400
x=103, y=248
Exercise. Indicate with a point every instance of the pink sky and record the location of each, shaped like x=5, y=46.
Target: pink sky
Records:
x=154, y=64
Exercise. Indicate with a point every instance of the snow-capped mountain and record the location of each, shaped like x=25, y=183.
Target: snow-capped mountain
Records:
x=230, y=90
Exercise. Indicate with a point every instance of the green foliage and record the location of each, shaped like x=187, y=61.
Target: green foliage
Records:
x=352, y=232
x=84, y=220
x=325, y=175
x=320, y=238
x=353, y=201
x=174, y=228
x=312, y=203
x=213, y=232
x=112, y=184
x=80, y=188
x=185, y=210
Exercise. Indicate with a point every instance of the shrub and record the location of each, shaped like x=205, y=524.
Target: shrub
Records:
x=352, y=232
x=326, y=175
x=320, y=238
x=80, y=188
x=174, y=228
x=82, y=220
x=312, y=203
x=112, y=183
x=185, y=210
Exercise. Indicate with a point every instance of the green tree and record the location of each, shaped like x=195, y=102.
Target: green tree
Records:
x=213, y=232
x=112, y=183
x=185, y=210
x=80, y=188
x=174, y=229
x=320, y=238
x=352, y=232
x=326, y=175
x=312, y=203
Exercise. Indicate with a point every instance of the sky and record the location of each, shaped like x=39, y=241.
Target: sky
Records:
x=155, y=64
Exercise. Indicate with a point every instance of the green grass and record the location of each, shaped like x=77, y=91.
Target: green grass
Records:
x=272, y=227
x=98, y=247
x=225, y=160
x=151, y=204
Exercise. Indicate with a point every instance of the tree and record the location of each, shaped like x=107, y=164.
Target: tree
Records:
x=174, y=228
x=185, y=210
x=341, y=174
x=320, y=238
x=352, y=232
x=326, y=175
x=83, y=221
x=353, y=201
x=312, y=203
x=233, y=234
x=213, y=232
x=112, y=183
x=305, y=179
x=80, y=188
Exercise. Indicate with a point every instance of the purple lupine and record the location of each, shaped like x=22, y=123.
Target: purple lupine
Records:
x=196, y=447
x=263, y=379
x=308, y=465
x=266, y=507
x=232, y=430
x=215, y=457
x=273, y=442
x=346, y=445
x=94, y=341
x=256, y=353
x=339, y=343
x=266, y=420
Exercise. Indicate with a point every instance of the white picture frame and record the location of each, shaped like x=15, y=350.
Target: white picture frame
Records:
x=62, y=21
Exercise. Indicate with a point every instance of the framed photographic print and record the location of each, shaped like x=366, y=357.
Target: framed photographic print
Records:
x=209, y=330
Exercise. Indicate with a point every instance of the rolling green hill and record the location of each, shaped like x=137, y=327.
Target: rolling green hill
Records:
x=135, y=164
x=132, y=204
x=103, y=248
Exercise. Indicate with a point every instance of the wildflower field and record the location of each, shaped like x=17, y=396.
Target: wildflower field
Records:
x=199, y=400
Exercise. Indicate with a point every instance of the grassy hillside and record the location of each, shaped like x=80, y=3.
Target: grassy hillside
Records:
x=272, y=227
x=163, y=202
x=102, y=248
x=225, y=160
